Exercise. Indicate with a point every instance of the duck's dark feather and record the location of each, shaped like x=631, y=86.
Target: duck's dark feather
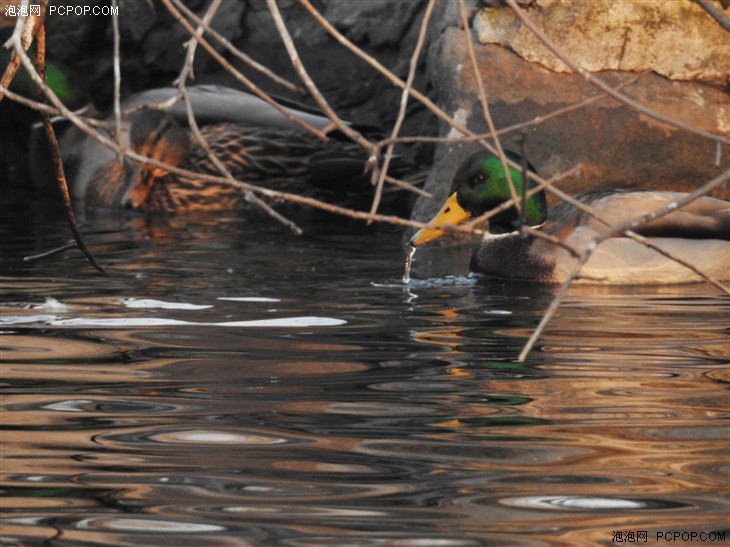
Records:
x=287, y=161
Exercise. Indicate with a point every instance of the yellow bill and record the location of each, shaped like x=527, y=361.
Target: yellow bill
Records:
x=450, y=213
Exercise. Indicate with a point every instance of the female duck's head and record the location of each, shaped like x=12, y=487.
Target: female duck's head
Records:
x=480, y=185
x=152, y=133
x=157, y=135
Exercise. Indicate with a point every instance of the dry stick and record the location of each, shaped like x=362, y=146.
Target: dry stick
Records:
x=25, y=101
x=295, y=198
x=610, y=232
x=428, y=103
x=603, y=85
x=317, y=96
x=50, y=110
x=237, y=52
x=204, y=25
x=716, y=13
x=322, y=103
x=52, y=252
x=413, y=92
x=522, y=125
x=56, y=154
x=260, y=93
x=485, y=106
x=248, y=194
x=403, y=103
x=420, y=97
x=408, y=186
x=117, y=80
x=77, y=120
x=9, y=73
x=23, y=32
x=235, y=73
x=186, y=72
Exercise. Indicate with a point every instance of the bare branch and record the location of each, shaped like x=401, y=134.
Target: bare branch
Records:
x=716, y=13
x=603, y=85
x=485, y=105
x=237, y=52
x=235, y=73
x=612, y=231
x=56, y=154
x=403, y=103
x=309, y=83
x=187, y=72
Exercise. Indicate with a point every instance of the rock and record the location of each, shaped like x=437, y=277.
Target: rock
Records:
x=675, y=39
x=368, y=22
x=136, y=19
x=616, y=145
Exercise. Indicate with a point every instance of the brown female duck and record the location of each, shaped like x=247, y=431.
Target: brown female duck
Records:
x=286, y=160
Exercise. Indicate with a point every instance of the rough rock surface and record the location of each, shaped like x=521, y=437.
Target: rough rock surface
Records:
x=675, y=39
x=616, y=146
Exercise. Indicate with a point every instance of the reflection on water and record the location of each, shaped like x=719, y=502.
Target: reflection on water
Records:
x=230, y=387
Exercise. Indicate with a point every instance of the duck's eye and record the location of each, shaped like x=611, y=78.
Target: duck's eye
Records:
x=477, y=180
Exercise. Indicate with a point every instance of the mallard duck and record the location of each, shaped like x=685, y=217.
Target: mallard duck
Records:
x=287, y=160
x=256, y=142
x=698, y=233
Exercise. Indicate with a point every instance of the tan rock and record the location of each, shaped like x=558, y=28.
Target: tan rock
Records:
x=675, y=39
x=616, y=146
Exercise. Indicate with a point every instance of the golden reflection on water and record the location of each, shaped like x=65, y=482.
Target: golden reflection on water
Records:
x=631, y=396
x=411, y=420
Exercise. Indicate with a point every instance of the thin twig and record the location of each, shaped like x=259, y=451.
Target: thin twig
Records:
x=117, y=80
x=603, y=85
x=77, y=120
x=235, y=73
x=403, y=104
x=10, y=71
x=611, y=232
x=485, y=106
x=187, y=72
x=25, y=29
x=600, y=96
x=56, y=153
x=237, y=52
x=52, y=252
x=408, y=186
x=716, y=13
x=413, y=92
x=322, y=103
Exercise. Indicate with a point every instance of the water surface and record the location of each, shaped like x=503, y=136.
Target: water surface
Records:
x=231, y=386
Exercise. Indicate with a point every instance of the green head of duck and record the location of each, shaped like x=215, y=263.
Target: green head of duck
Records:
x=480, y=185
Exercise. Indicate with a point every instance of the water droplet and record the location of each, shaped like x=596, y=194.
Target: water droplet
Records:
x=407, y=267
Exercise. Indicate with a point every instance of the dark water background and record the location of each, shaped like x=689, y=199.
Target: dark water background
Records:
x=234, y=386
